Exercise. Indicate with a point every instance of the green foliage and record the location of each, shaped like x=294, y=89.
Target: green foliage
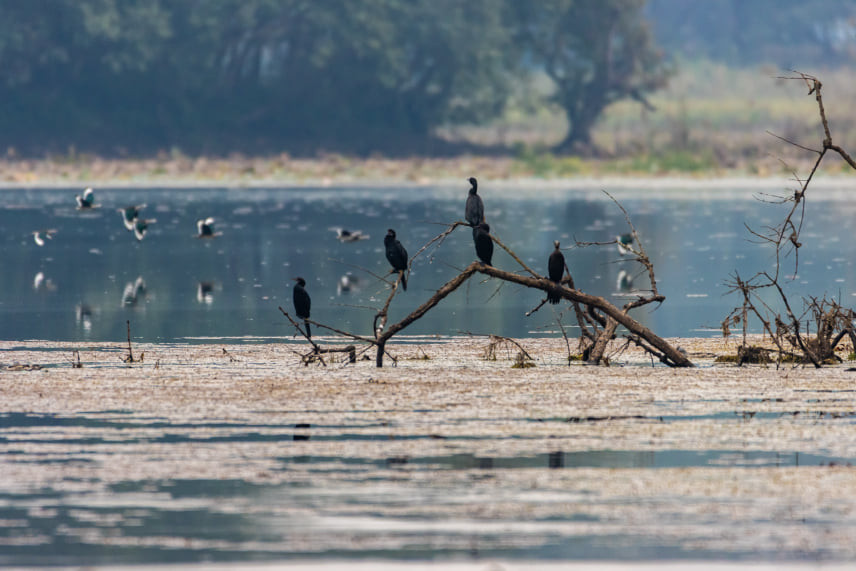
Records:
x=544, y=164
x=673, y=161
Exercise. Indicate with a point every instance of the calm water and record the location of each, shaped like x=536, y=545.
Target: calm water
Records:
x=94, y=275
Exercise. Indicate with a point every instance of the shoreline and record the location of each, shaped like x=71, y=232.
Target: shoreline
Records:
x=340, y=171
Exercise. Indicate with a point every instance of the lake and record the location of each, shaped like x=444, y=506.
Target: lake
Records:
x=93, y=276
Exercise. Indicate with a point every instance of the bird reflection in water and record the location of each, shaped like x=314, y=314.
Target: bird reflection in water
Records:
x=301, y=435
x=83, y=316
x=347, y=284
x=205, y=293
x=134, y=292
x=40, y=236
x=624, y=283
x=42, y=283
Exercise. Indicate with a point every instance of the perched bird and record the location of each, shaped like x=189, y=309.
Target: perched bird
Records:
x=141, y=226
x=483, y=241
x=344, y=235
x=474, y=212
x=302, y=303
x=130, y=215
x=39, y=236
x=205, y=228
x=624, y=241
x=555, y=270
x=85, y=201
x=397, y=255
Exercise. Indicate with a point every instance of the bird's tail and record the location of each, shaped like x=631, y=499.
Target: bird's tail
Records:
x=403, y=280
x=308, y=331
x=552, y=297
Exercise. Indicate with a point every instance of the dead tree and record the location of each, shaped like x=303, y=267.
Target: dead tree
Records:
x=599, y=317
x=785, y=327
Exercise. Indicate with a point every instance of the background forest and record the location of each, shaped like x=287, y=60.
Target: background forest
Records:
x=401, y=78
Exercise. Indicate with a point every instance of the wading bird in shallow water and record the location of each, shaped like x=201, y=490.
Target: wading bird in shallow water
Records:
x=474, y=211
x=624, y=242
x=302, y=303
x=483, y=242
x=141, y=226
x=205, y=228
x=39, y=236
x=130, y=215
x=344, y=235
x=555, y=270
x=397, y=256
x=85, y=201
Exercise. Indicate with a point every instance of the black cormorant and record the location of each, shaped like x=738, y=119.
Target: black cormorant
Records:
x=483, y=241
x=397, y=256
x=474, y=212
x=555, y=270
x=302, y=303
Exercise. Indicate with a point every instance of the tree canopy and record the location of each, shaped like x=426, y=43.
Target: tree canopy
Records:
x=215, y=76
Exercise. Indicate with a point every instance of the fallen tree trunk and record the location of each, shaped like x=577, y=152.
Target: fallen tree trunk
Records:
x=668, y=354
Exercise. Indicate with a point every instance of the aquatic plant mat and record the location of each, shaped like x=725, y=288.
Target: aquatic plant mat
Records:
x=218, y=453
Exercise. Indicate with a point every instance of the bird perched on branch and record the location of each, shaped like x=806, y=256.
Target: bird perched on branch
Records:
x=302, y=303
x=474, y=211
x=555, y=270
x=397, y=256
x=130, y=215
x=483, y=242
x=86, y=201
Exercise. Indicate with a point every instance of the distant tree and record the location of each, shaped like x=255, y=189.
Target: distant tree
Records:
x=597, y=53
x=340, y=73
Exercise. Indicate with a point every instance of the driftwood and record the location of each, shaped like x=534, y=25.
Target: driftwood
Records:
x=832, y=322
x=315, y=355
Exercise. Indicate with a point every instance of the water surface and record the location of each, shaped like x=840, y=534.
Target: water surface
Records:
x=94, y=275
